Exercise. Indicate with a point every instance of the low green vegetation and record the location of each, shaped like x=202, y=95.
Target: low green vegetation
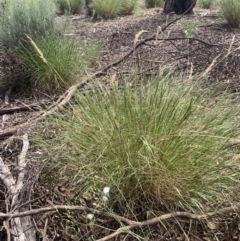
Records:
x=128, y=6
x=70, y=6
x=154, y=3
x=33, y=45
x=106, y=8
x=207, y=4
x=26, y=17
x=54, y=62
x=188, y=28
x=114, y=8
x=165, y=143
x=231, y=12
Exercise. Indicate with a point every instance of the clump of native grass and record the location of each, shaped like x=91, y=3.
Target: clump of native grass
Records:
x=54, y=63
x=139, y=8
x=114, y=8
x=26, y=17
x=188, y=28
x=70, y=6
x=34, y=48
x=206, y=4
x=231, y=11
x=128, y=6
x=154, y=3
x=166, y=143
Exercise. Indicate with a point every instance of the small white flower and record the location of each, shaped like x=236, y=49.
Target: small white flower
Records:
x=105, y=199
x=90, y=216
x=106, y=190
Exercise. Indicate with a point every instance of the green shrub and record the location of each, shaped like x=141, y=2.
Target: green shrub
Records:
x=206, y=3
x=164, y=142
x=25, y=17
x=54, y=62
x=154, y=3
x=70, y=6
x=231, y=11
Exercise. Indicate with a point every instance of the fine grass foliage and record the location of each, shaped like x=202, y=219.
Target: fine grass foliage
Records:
x=188, y=28
x=107, y=8
x=231, y=11
x=207, y=4
x=139, y=8
x=114, y=8
x=128, y=6
x=70, y=6
x=162, y=142
x=154, y=3
x=25, y=17
x=54, y=62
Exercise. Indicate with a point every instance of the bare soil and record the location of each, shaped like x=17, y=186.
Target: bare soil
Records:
x=212, y=42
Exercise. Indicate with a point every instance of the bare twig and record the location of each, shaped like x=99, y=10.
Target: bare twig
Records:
x=45, y=230
x=32, y=107
x=7, y=230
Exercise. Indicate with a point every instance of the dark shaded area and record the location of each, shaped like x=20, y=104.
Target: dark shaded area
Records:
x=179, y=6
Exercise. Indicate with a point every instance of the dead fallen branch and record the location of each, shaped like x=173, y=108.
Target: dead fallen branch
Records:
x=130, y=223
x=6, y=99
x=11, y=110
x=15, y=186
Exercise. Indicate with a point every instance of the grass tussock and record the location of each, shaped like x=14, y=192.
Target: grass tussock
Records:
x=70, y=6
x=25, y=17
x=106, y=8
x=231, y=11
x=54, y=63
x=33, y=47
x=114, y=8
x=162, y=142
x=206, y=4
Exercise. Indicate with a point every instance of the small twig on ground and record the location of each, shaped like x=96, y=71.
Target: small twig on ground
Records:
x=32, y=107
